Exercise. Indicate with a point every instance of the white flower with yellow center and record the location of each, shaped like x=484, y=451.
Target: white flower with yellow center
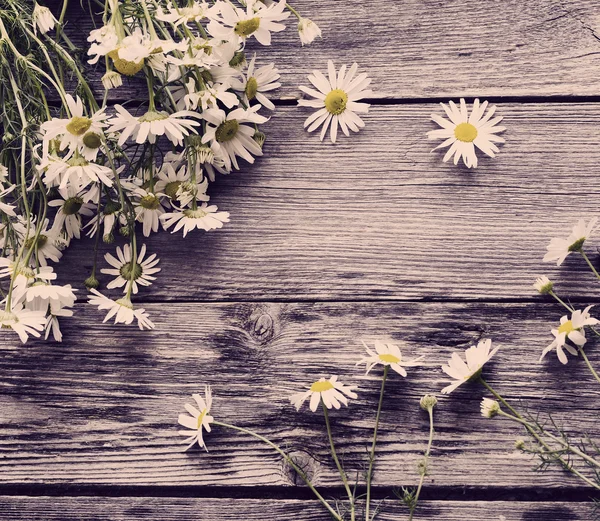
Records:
x=559, y=249
x=198, y=419
x=103, y=40
x=463, y=132
x=337, y=100
x=489, y=408
x=256, y=82
x=76, y=171
x=46, y=243
x=387, y=355
x=194, y=12
x=142, y=273
x=572, y=329
x=122, y=309
x=54, y=300
x=23, y=276
x=543, y=285
x=79, y=132
x=23, y=321
x=191, y=97
x=231, y=136
x=148, y=209
x=308, y=31
x=152, y=125
x=71, y=207
x=476, y=358
x=202, y=218
x=43, y=18
x=258, y=20
x=331, y=392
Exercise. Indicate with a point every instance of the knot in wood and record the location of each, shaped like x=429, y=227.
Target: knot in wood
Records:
x=263, y=327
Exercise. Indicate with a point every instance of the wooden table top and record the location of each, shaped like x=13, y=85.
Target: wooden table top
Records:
x=329, y=245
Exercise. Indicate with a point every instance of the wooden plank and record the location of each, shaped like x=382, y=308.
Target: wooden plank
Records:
x=379, y=216
x=450, y=48
x=201, y=509
x=101, y=408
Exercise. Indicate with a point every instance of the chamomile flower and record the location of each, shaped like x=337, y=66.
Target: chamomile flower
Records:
x=46, y=244
x=53, y=300
x=489, y=408
x=43, y=18
x=463, y=132
x=543, y=285
x=148, y=209
x=152, y=125
x=203, y=218
x=23, y=321
x=122, y=310
x=79, y=132
x=103, y=40
x=308, y=31
x=8, y=209
x=258, y=20
x=559, y=249
x=194, y=12
x=199, y=419
x=76, y=171
x=336, y=98
x=231, y=134
x=70, y=209
x=112, y=80
x=331, y=392
x=476, y=358
x=256, y=82
x=143, y=270
x=387, y=355
x=572, y=329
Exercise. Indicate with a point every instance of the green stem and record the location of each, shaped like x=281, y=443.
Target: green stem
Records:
x=589, y=263
x=372, y=455
x=337, y=461
x=588, y=363
x=297, y=15
x=560, y=301
x=424, y=470
x=289, y=461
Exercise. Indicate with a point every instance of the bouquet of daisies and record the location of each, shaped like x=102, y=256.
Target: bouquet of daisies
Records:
x=84, y=167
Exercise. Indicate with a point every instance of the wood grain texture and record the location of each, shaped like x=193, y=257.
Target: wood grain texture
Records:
x=204, y=509
x=101, y=408
x=435, y=48
x=379, y=216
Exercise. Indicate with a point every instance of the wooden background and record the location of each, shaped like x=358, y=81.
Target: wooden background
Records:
x=371, y=238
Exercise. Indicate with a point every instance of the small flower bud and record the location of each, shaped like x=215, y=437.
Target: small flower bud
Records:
x=543, y=284
x=308, y=31
x=428, y=402
x=489, y=408
x=91, y=282
x=260, y=138
x=520, y=444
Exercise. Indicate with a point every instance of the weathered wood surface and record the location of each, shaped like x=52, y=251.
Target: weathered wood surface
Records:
x=379, y=216
x=101, y=408
x=202, y=509
x=439, y=48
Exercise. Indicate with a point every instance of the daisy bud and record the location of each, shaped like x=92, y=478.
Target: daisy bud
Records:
x=91, y=282
x=43, y=18
x=428, y=402
x=489, y=408
x=520, y=444
x=112, y=80
x=260, y=138
x=308, y=31
x=543, y=284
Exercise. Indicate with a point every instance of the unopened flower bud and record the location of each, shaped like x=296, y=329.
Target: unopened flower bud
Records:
x=91, y=282
x=259, y=137
x=428, y=402
x=519, y=444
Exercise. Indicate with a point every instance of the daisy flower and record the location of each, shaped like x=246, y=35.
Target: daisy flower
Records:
x=148, y=209
x=23, y=321
x=103, y=40
x=543, y=285
x=122, y=309
x=258, y=20
x=76, y=171
x=46, y=244
x=489, y=408
x=203, y=218
x=257, y=82
x=112, y=80
x=336, y=99
x=228, y=134
x=463, y=132
x=196, y=12
x=387, y=355
x=308, y=31
x=559, y=249
x=152, y=125
x=70, y=209
x=330, y=392
x=78, y=132
x=142, y=272
x=572, y=329
x=43, y=18
x=53, y=301
x=198, y=419
x=23, y=276
x=476, y=358
x=8, y=209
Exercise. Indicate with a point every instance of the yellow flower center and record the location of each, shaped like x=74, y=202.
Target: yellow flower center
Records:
x=152, y=115
x=150, y=202
x=390, y=359
x=251, y=88
x=465, y=132
x=247, y=27
x=40, y=243
x=72, y=205
x=125, y=67
x=227, y=130
x=567, y=327
x=92, y=140
x=78, y=126
x=126, y=271
x=321, y=387
x=195, y=214
x=336, y=101
x=171, y=189
x=201, y=418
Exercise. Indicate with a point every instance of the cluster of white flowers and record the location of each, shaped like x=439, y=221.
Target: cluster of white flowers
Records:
x=100, y=168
